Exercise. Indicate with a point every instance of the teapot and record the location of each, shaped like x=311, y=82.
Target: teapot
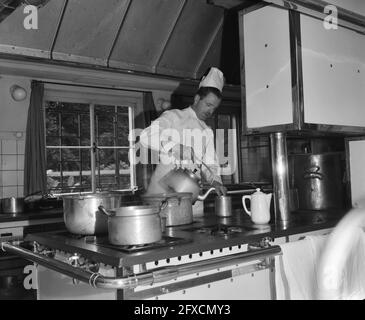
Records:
x=260, y=206
x=185, y=180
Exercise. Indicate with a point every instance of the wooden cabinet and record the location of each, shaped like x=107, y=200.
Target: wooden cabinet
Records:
x=298, y=75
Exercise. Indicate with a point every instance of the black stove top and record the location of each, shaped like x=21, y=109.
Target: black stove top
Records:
x=103, y=241
x=220, y=229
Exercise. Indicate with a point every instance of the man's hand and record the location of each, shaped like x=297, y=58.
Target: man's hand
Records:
x=181, y=152
x=220, y=189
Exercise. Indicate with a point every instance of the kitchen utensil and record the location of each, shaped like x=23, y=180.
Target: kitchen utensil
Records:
x=186, y=181
x=12, y=205
x=260, y=206
x=82, y=216
x=223, y=206
x=176, y=207
x=318, y=179
x=133, y=225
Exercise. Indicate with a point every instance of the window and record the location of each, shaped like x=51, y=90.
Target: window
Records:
x=87, y=145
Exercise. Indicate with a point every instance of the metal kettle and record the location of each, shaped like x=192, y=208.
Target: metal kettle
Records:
x=185, y=180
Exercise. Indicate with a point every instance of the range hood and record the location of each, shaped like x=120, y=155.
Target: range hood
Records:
x=180, y=38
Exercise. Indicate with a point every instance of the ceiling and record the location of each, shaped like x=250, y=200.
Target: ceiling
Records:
x=179, y=38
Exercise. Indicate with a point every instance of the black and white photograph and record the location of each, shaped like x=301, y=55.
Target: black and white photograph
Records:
x=197, y=152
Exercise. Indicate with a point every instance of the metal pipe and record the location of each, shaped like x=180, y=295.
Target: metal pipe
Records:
x=148, y=278
x=316, y=8
x=248, y=191
x=280, y=174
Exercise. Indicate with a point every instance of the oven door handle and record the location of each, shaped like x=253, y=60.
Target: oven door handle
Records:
x=157, y=275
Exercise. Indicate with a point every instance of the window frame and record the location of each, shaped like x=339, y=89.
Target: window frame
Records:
x=97, y=96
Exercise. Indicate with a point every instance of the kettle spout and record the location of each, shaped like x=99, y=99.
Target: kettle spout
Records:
x=204, y=196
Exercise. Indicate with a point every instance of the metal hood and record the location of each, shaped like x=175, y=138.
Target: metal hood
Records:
x=179, y=38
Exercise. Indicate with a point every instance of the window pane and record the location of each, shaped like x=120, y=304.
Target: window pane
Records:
x=53, y=141
x=53, y=159
x=70, y=141
x=113, y=169
x=70, y=125
x=112, y=125
x=85, y=129
x=123, y=129
x=52, y=123
x=67, y=124
x=105, y=125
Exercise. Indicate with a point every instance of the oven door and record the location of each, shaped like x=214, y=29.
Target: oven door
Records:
x=12, y=278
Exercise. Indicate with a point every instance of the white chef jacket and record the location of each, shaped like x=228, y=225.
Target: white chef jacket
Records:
x=175, y=127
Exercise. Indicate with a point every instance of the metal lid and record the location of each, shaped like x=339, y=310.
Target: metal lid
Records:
x=140, y=210
x=96, y=195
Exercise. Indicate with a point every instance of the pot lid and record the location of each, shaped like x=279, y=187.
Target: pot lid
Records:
x=106, y=194
x=140, y=210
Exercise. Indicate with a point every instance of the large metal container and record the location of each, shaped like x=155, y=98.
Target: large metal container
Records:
x=133, y=225
x=81, y=213
x=318, y=179
x=12, y=205
x=176, y=207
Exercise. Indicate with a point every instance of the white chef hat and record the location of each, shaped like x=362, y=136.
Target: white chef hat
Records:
x=214, y=78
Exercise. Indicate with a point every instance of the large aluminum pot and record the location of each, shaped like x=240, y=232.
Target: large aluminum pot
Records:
x=176, y=207
x=82, y=216
x=133, y=225
x=318, y=179
x=12, y=205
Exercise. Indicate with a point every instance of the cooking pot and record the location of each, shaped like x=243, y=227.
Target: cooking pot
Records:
x=175, y=207
x=81, y=213
x=12, y=205
x=133, y=225
x=185, y=180
x=318, y=179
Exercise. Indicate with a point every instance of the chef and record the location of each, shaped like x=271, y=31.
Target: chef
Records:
x=182, y=137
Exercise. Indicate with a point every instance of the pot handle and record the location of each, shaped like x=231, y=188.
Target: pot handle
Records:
x=103, y=210
x=244, y=204
x=313, y=173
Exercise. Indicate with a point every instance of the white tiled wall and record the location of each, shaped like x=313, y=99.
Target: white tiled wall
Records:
x=12, y=146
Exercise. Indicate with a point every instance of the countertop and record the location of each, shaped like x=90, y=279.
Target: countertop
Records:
x=197, y=242
x=31, y=215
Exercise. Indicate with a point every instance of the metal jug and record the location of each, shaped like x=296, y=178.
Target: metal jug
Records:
x=185, y=180
x=260, y=206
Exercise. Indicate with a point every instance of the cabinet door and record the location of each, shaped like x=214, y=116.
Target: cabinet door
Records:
x=333, y=63
x=267, y=69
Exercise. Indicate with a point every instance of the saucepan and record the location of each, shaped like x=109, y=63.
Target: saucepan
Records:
x=133, y=225
x=12, y=205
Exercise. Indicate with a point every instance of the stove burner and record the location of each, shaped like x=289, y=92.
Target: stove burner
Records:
x=220, y=230
x=164, y=242
x=103, y=241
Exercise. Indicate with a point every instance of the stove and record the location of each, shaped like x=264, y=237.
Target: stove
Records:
x=103, y=241
x=220, y=229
